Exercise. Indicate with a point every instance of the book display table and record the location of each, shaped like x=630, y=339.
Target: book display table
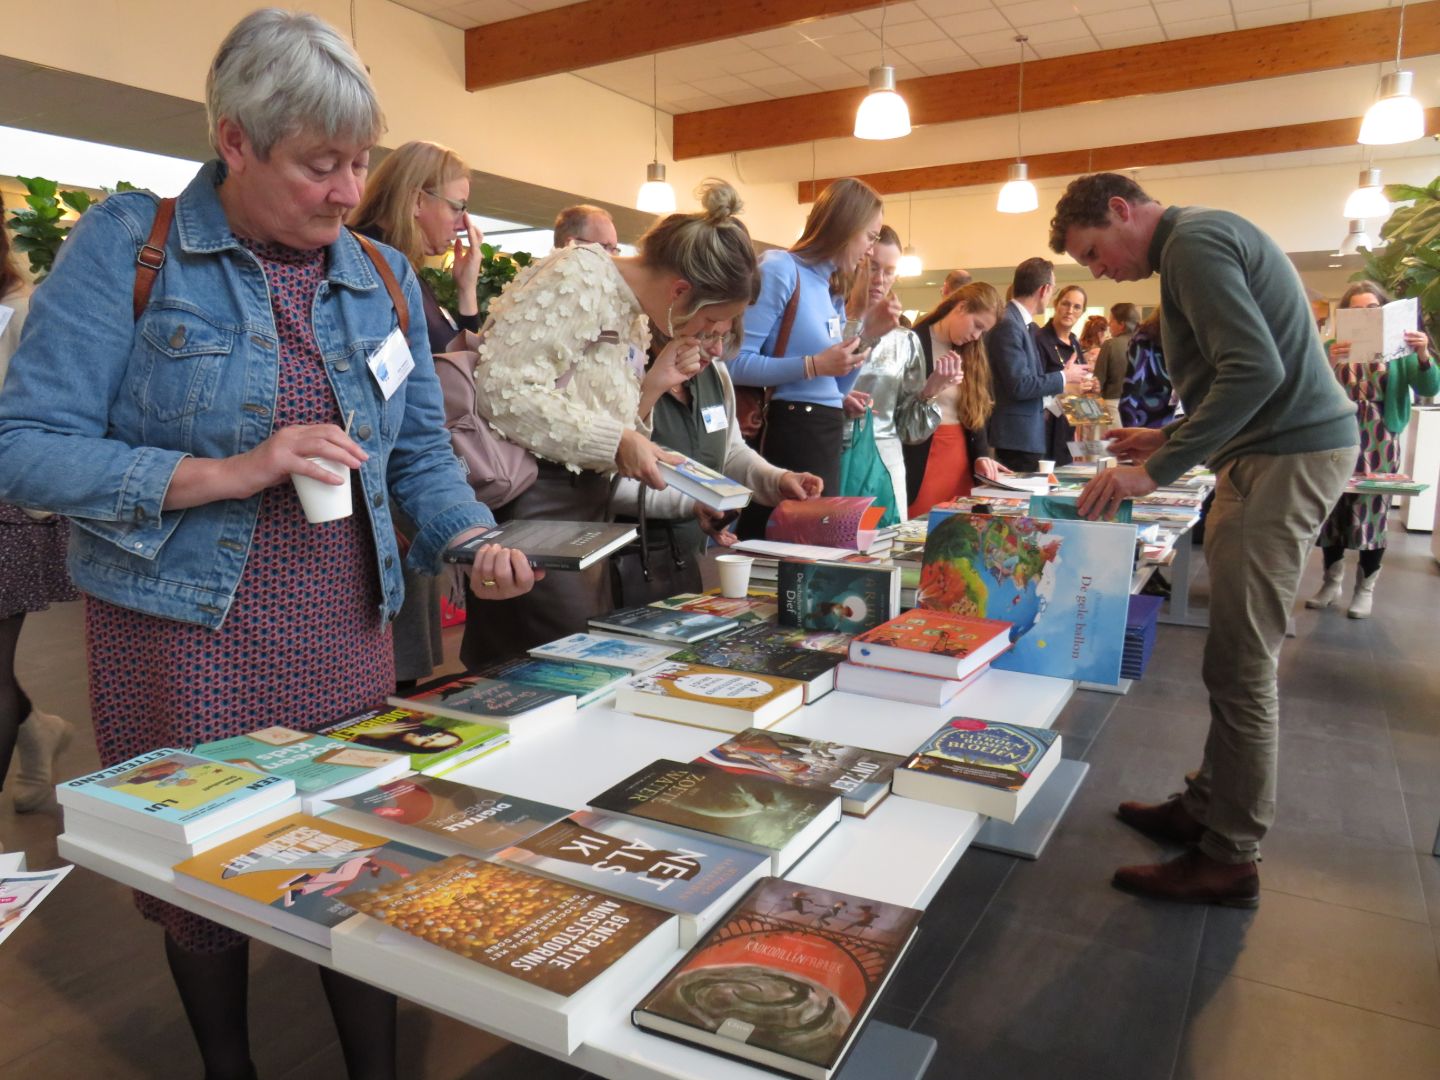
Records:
x=901, y=853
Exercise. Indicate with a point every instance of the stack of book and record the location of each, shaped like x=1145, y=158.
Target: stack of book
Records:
x=321, y=768
x=769, y=650
x=710, y=697
x=1140, y=631
x=922, y=657
x=989, y=768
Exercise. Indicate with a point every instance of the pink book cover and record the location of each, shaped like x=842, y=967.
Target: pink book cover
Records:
x=843, y=521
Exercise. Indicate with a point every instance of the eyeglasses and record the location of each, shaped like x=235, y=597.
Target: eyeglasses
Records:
x=458, y=205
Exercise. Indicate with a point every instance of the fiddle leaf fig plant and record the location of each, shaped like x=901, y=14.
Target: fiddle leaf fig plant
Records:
x=497, y=270
x=1409, y=263
x=39, y=225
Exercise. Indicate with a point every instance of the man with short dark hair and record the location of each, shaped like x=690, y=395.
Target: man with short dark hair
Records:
x=586, y=224
x=1264, y=411
x=1021, y=383
x=954, y=280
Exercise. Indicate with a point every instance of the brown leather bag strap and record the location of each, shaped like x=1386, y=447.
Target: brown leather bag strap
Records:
x=392, y=286
x=787, y=318
x=151, y=256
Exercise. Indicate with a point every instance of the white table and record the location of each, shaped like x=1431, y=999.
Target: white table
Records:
x=901, y=853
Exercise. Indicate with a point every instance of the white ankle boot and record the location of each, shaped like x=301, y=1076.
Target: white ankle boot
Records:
x=1330, y=587
x=42, y=736
x=1364, y=597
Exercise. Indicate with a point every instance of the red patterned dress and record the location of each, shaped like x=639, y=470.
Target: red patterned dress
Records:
x=303, y=639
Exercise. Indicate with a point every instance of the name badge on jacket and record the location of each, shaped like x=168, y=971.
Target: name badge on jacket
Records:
x=391, y=363
x=715, y=418
x=834, y=326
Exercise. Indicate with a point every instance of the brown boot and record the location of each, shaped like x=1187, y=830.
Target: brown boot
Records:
x=1194, y=878
x=1168, y=822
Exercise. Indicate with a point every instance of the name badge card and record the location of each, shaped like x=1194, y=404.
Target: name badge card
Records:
x=391, y=363
x=834, y=326
x=715, y=418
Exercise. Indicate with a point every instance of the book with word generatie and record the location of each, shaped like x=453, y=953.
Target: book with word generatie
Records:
x=988, y=767
x=860, y=777
x=935, y=643
x=293, y=874
x=441, y=815
x=553, y=935
x=436, y=744
x=786, y=980
x=710, y=697
x=610, y=650
x=704, y=484
x=553, y=545
x=174, y=794
x=320, y=767
x=686, y=875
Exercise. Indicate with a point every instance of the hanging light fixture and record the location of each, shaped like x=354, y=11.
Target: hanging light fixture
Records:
x=1018, y=196
x=1368, y=199
x=1396, y=117
x=883, y=114
x=1355, y=239
x=656, y=195
x=910, y=264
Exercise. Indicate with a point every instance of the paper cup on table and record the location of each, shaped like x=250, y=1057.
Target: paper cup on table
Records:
x=1046, y=466
x=734, y=575
x=322, y=501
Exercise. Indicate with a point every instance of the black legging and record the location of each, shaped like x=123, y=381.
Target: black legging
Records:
x=1369, y=558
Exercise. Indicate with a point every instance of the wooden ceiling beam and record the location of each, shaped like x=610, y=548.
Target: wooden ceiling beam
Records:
x=603, y=31
x=1320, y=135
x=1265, y=52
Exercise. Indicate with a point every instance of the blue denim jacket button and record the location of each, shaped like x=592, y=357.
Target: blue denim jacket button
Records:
x=377, y=499
x=363, y=431
x=342, y=365
x=177, y=339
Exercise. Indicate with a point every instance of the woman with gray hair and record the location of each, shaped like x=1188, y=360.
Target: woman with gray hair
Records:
x=163, y=408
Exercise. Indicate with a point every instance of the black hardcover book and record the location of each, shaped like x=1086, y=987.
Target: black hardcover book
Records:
x=553, y=545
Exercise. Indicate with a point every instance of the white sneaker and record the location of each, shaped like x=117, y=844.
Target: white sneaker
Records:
x=41, y=739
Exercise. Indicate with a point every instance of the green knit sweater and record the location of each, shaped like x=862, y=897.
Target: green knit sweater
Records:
x=1241, y=347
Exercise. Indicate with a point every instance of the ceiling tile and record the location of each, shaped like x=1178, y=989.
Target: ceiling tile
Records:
x=696, y=103
x=790, y=55
x=794, y=88
x=459, y=19
x=822, y=64
x=928, y=51
x=1271, y=15
x=543, y=5
x=1258, y=5
x=938, y=8
x=861, y=44
x=773, y=77
x=1319, y=9
x=1122, y=39
x=488, y=11
x=1030, y=12
x=720, y=84
x=847, y=81
x=913, y=33
x=747, y=61
x=1131, y=19
x=824, y=28
x=772, y=39
x=1189, y=10
x=746, y=96
x=1217, y=24
x=1055, y=30
x=996, y=41
x=993, y=58
x=970, y=23
x=895, y=15
x=1100, y=7
x=959, y=62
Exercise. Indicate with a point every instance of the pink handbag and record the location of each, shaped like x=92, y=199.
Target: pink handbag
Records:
x=498, y=470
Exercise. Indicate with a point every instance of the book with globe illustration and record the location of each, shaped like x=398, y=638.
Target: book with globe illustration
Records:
x=1064, y=586
x=786, y=980
x=846, y=597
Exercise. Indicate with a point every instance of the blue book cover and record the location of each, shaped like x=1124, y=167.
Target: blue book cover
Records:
x=637, y=860
x=609, y=651
x=586, y=681
x=1064, y=586
x=314, y=762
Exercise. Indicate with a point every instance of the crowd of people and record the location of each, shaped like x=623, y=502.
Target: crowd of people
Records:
x=245, y=353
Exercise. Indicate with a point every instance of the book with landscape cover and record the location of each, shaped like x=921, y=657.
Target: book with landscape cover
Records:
x=444, y=816
x=436, y=744
x=935, y=643
x=757, y=607
x=710, y=697
x=860, y=777
x=839, y=521
x=588, y=682
x=786, y=980
x=843, y=597
x=553, y=545
x=497, y=702
x=606, y=649
x=293, y=873
x=173, y=794
x=760, y=651
x=1064, y=586
x=663, y=624
x=320, y=767
x=704, y=484
x=981, y=765
x=761, y=815
x=549, y=934
x=686, y=875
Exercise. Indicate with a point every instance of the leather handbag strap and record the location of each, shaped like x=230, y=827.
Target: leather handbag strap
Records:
x=787, y=317
x=392, y=286
x=151, y=256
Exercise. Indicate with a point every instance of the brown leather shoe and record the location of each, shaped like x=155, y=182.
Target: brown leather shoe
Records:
x=1194, y=878
x=1168, y=821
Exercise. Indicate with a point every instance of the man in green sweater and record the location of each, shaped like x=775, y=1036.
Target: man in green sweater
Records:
x=1264, y=411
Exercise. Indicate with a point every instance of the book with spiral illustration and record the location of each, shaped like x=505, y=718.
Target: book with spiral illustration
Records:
x=786, y=980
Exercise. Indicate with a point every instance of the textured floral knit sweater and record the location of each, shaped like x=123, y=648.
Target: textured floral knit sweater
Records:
x=561, y=362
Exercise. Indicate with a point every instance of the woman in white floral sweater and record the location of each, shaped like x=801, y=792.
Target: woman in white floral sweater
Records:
x=563, y=374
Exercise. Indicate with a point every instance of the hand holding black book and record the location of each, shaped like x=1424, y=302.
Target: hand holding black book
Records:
x=553, y=545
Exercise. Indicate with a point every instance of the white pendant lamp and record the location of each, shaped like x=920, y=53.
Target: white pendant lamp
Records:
x=1019, y=196
x=1396, y=117
x=910, y=264
x=1355, y=239
x=656, y=195
x=1368, y=199
x=883, y=114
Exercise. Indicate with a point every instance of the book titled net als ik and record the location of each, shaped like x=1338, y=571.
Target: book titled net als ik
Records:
x=704, y=484
x=989, y=768
x=761, y=815
x=553, y=545
x=786, y=980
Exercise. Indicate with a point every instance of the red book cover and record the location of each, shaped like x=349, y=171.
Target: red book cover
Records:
x=838, y=521
x=932, y=643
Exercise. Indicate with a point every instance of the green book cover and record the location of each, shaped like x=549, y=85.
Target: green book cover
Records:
x=435, y=744
x=586, y=681
x=837, y=596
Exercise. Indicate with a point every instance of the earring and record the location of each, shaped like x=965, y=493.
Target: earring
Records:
x=670, y=320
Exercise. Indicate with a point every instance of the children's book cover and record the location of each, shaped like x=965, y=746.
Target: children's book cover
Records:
x=1064, y=586
x=175, y=788
x=837, y=596
x=314, y=762
x=984, y=752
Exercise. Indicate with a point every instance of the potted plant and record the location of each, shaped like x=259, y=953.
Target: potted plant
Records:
x=1409, y=263
x=497, y=270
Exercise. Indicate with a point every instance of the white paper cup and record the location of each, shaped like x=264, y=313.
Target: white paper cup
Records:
x=734, y=575
x=322, y=501
x=1046, y=466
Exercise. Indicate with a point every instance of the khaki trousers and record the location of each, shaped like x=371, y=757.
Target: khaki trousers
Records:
x=1267, y=512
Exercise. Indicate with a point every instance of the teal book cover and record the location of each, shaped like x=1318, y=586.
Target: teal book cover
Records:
x=1064, y=586
x=585, y=681
x=1067, y=508
x=837, y=596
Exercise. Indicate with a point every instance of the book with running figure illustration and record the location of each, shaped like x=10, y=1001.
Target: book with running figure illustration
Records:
x=860, y=777
x=786, y=980
x=837, y=521
x=293, y=873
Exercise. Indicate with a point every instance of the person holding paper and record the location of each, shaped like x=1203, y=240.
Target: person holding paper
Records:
x=1358, y=522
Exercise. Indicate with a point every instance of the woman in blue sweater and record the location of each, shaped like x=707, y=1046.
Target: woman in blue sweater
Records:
x=797, y=339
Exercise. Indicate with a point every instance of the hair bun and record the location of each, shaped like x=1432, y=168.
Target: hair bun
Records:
x=720, y=200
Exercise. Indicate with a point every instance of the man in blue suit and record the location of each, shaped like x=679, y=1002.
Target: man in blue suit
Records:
x=1017, y=425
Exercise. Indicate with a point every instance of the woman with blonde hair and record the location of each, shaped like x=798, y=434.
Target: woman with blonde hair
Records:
x=958, y=395
x=797, y=339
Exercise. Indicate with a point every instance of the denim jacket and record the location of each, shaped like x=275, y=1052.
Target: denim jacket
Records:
x=98, y=410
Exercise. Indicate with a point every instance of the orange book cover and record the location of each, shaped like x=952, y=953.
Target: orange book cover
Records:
x=937, y=632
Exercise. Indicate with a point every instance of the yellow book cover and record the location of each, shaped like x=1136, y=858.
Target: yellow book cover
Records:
x=712, y=685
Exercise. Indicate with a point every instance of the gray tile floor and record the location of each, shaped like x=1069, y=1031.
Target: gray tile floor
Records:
x=1024, y=969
